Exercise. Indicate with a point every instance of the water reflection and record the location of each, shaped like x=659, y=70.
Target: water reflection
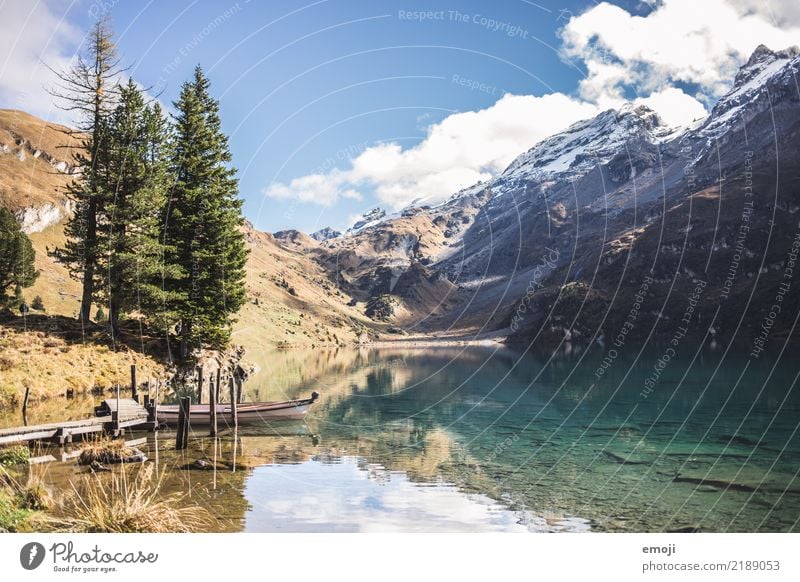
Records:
x=708, y=448
x=486, y=439
x=353, y=495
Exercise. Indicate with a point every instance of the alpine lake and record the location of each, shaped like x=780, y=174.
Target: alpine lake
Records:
x=486, y=438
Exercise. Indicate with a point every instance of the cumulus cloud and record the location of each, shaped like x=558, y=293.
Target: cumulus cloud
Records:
x=674, y=106
x=31, y=34
x=652, y=59
x=457, y=152
x=700, y=43
x=323, y=189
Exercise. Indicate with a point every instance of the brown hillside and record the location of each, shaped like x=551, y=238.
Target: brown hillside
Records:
x=35, y=161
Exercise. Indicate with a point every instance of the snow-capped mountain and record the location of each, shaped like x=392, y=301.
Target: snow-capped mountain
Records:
x=751, y=89
x=588, y=143
x=324, y=234
x=607, y=199
x=369, y=218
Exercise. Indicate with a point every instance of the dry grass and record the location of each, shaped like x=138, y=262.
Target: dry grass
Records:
x=104, y=450
x=51, y=365
x=34, y=494
x=34, y=181
x=20, y=501
x=124, y=503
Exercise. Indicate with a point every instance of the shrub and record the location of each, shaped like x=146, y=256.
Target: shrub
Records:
x=16, y=455
x=12, y=516
x=37, y=303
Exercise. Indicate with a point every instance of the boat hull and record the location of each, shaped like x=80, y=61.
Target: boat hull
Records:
x=250, y=413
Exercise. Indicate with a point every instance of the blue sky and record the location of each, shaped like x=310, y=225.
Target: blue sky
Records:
x=308, y=87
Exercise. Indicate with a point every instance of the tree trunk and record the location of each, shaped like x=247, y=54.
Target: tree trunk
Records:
x=89, y=259
x=186, y=331
x=113, y=319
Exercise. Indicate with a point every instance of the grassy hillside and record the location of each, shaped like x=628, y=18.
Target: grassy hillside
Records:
x=290, y=299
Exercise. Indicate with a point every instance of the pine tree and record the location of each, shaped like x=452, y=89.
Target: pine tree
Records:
x=88, y=90
x=130, y=227
x=202, y=223
x=17, y=256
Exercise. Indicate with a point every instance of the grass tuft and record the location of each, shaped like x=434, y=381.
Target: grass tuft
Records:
x=129, y=505
x=104, y=450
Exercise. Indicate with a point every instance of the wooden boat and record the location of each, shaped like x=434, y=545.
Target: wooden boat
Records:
x=247, y=412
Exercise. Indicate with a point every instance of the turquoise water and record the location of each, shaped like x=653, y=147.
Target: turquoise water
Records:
x=488, y=439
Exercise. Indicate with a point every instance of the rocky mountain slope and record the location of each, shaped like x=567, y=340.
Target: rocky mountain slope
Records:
x=619, y=217
x=563, y=242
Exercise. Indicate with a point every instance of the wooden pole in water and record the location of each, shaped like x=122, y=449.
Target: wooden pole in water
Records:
x=199, y=384
x=155, y=408
x=134, y=388
x=218, y=385
x=182, y=436
x=212, y=413
x=25, y=406
x=178, y=430
x=115, y=415
x=234, y=412
x=239, y=383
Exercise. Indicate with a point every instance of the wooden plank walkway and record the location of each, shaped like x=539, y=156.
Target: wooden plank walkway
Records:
x=131, y=414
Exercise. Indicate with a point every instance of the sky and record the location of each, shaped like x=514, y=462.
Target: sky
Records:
x=334, y=107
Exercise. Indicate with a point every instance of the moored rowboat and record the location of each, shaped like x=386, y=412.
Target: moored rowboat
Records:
x=247, y=412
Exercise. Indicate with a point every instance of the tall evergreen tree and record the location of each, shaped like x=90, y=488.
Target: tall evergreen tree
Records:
x=16, y=255
x=130, y=224
x=202, y=223
x=87, y=90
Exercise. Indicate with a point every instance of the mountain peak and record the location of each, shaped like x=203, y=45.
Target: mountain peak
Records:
x=369, y=218
x=762, y=59
x=326, y=233
x=585, y=143
x=760, y=53
x=762, y=68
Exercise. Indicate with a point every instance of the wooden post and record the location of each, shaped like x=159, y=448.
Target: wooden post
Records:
x=182, y=436
x=178, y=430
x=239, y=385
x=199, y=384
x=219, y=382
x=25, y=406
x=155, y=408
x=134, y=389
x=212, y=413
x=234, y=411
x=115, y=416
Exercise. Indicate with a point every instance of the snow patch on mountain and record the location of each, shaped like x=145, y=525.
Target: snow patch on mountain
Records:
x=325, y=234
x=752, y=83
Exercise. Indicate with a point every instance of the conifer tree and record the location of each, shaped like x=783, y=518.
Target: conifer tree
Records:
x=202, y=223
x=88, y=91
x=130, y=223
x=16, y=255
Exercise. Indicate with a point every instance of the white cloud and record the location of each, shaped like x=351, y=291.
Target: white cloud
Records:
x=701, y=42
x=462, y=149
x=322, y=189
x=780, y=12
x=31, y=34
x=696, y=42
x=674, y=106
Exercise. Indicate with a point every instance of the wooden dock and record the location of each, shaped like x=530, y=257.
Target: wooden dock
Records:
x=131, y=414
